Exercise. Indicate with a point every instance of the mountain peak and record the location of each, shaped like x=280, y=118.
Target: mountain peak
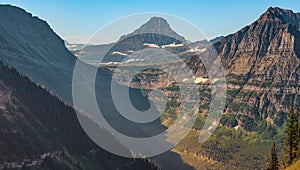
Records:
x=155, y=25
x=158, y=25
x=284, y=15
x=275, y=33
x=158, y=21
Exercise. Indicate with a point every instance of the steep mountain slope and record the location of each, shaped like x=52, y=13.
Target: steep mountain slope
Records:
x=273, y=35
x=263, y=58
x=33, y=49
x=262, y=69
x=39, y=131
x=261, y=64
x=74, y=47
x=29, y=45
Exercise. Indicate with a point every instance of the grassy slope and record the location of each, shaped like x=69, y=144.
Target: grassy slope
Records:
x=202, y=163
x=228, y=147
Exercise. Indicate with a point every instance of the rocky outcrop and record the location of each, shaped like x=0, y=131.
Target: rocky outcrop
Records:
x=265, y=55
x=261, y=64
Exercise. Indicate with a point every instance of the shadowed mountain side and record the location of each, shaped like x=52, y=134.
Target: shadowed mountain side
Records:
x=30, y=45
x=171, y=160
x=39, y=130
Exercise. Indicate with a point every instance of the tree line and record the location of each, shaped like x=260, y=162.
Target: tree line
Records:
x=291, y=148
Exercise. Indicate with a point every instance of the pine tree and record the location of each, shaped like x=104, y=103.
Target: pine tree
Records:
x=298, y=134
x=291, y=139
x=273, y=163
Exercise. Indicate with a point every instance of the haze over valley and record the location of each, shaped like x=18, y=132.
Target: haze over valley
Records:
x=241, y=89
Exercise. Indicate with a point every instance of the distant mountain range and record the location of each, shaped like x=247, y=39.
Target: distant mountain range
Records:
x=155, y=33
x=31, y=47
x=75, y=47
x=261, y=65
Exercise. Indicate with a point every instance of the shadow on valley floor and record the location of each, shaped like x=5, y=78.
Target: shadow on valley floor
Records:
x=170, y=161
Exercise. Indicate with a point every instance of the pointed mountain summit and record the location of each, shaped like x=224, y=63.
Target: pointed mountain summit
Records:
x=264, y=57
x=155, y=33
x=275, y=33
x=158, y=25
x=284, y=15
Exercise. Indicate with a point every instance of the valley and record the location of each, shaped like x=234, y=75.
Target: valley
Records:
x=39, y=128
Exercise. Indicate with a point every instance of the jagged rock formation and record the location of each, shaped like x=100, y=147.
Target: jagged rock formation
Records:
x=263, y=58
x=261, y=64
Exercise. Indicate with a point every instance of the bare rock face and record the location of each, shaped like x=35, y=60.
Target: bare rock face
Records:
x=252, y=49
x=265, y=56
x=261, y=64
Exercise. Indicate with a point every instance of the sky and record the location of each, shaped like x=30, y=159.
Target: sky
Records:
x=76, y=21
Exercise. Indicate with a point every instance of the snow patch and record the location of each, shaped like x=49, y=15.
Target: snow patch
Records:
x=110, y=63
x=172, y=45
x=133, y=60
x=201, y=80
x=119, y=53
x=151, y=45
x=192, y=50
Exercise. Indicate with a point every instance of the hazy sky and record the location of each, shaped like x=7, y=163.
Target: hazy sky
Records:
x=76, y=21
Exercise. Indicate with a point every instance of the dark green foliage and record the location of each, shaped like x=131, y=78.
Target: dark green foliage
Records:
x=232, y=92
x=273, y=163
x=291, y=141
x=173, y=103
x=229, y=120
x=173, y=87
x=231, y=147
x=199, y=123
x=269, y=131
x=247, y=123
x=280, y=118
x=298, y=133
x=35, y=123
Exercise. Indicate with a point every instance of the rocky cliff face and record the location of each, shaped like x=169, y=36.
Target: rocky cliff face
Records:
x=264, y=58
x=261, y=64
x=254, y=48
